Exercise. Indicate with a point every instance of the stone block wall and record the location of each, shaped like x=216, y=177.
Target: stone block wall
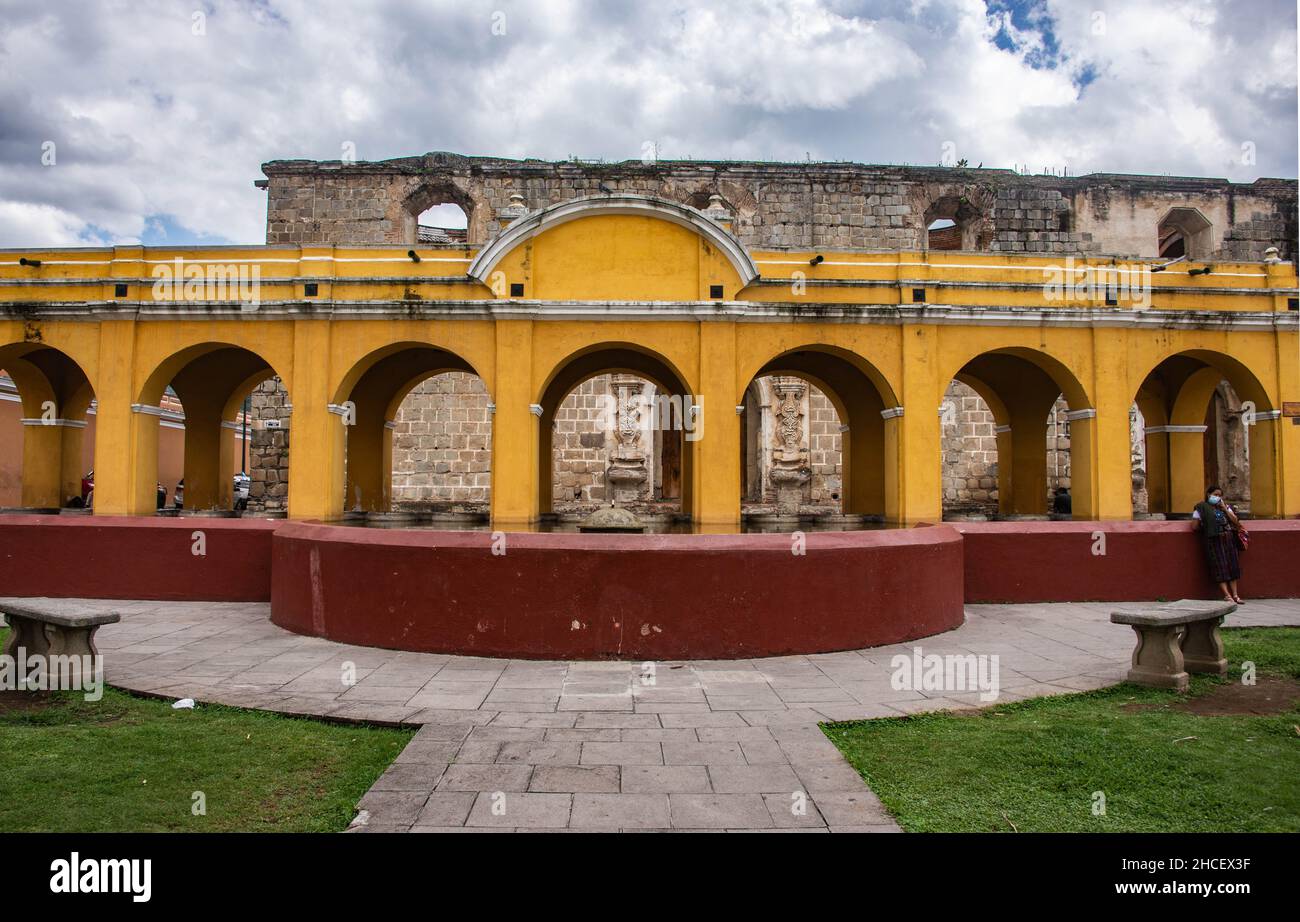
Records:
x=442, y=443
x=799, y=205
x=824, y=455
x=580, y=444
x=268, y=449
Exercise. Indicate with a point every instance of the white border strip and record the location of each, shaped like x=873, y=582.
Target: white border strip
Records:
x=67, y=423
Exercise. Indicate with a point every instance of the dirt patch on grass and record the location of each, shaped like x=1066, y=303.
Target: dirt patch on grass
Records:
x=22, y=702
x=1269, y=695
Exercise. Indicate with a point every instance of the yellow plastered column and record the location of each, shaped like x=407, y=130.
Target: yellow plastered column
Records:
x=1286, y=434
x=370, y=454
x=917, y=462
x=1028, y=464
x=1086, y=490
x=1186, y=469
x=1157, y=446
x=42, y=465
x=1264, y=487
x=715, y=473
x=124, y=440
x=316, y=435
x=515, y=487
x=1103, y=444
x=72, y=438
x=202, y=470
x=1006, y=464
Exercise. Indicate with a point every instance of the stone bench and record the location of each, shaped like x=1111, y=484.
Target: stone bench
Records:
x=53, y=627
x=1174, y=639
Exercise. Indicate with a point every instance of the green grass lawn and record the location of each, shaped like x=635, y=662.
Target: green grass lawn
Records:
x=133, y=765
x=1036, y=764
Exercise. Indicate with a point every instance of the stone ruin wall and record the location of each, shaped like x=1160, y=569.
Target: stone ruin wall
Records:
x=788, y=205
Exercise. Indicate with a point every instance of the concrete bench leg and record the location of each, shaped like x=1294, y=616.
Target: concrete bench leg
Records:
x=41, y=639
x=1158, y=658
x=1203, y=648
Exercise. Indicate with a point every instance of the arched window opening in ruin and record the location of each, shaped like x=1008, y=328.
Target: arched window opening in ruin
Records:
x=792, y=441
x=944, y=234
x=442, y=447
x=437, y=213
x=1184, y=232
x=445, y=223
x=953, y=222
x=47, y=429
x=617, y=438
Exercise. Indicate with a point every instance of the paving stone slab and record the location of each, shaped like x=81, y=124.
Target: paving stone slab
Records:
x=666, y=779
x=719, y=811
x=519, y=810
x=754, y=779
x=446, y=808
x=622, y=754
x=623, y=811
x=489, y=778
x=578, y=779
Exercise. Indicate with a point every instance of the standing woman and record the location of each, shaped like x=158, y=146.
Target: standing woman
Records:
x=1218, y=525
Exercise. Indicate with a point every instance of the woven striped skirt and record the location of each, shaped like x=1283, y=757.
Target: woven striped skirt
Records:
x=1221, y=554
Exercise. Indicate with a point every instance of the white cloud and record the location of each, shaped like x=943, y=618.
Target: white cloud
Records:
x=150, y=119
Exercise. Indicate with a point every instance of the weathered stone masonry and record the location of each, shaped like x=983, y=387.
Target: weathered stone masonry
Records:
x=791, y=205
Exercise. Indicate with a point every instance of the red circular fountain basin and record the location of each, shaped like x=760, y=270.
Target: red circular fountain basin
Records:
x=559, y=596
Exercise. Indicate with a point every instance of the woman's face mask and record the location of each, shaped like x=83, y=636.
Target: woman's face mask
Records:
x=1215, y=500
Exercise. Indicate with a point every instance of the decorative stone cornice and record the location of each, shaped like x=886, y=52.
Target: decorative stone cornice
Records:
x=738, y=311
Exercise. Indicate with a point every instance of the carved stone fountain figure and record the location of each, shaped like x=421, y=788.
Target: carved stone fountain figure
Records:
x=628, y=472
x=790, y=470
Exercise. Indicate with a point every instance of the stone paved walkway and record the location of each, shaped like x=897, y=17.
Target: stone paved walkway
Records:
x=524, y=744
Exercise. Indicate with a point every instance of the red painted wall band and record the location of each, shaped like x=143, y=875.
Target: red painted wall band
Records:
x=103, y=557
x=631, y=596
x=1055, y=561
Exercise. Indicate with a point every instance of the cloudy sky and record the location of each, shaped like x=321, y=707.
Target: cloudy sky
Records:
x=157, y=115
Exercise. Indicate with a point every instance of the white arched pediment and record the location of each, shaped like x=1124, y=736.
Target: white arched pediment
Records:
x=619, y=204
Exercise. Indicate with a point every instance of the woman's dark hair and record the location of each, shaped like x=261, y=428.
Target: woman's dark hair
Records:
x=1210, y=489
